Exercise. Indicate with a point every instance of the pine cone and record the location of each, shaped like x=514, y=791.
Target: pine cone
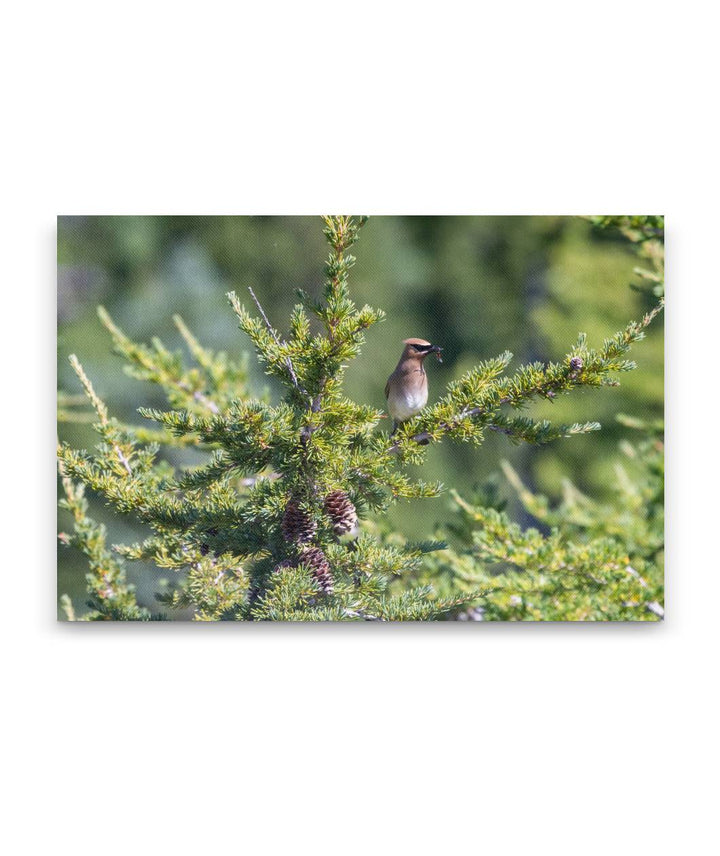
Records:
x=315, y=559
x=341, y=512
x=297, y=525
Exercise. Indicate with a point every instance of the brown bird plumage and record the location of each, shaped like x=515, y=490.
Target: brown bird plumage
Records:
x=407, y=387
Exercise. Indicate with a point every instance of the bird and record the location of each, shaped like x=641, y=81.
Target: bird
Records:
x=407, y=387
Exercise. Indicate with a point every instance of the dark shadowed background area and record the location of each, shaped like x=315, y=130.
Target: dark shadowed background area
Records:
x=475, y=285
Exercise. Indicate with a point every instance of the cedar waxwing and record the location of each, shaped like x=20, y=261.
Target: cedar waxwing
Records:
x=407, y=387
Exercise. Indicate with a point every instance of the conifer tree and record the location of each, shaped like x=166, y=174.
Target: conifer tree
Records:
x=270, y=527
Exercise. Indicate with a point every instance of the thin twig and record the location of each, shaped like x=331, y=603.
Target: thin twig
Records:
x=123, y=460
x=203, y=399
x=357, y=613
x=500, y=429
x=288, y=361
x=634, y=573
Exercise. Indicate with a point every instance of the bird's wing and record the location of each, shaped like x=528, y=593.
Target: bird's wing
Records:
x=387, y=388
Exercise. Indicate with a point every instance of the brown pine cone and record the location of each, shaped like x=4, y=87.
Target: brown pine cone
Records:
x=297, y=525
x=576, y=365
x=341, y=512
x=315, y=559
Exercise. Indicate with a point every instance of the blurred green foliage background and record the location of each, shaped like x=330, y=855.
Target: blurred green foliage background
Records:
x=475, y=285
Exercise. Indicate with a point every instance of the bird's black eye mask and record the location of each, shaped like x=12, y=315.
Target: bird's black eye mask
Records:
x=429, y=349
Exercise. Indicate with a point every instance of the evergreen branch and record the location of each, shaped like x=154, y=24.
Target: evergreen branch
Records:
x=288, y=361
x=95, y=400
x=599, y=561
x=201, y=355
x=111, y=598
x=538, y=433
x=155, y=367
x=533, y=381
x=67, y=607
x=343, y=323
x=100, y=409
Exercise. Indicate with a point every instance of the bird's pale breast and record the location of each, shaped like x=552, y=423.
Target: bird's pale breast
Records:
x=406, y=403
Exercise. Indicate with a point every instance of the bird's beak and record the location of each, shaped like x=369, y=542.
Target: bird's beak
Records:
x=437, y=350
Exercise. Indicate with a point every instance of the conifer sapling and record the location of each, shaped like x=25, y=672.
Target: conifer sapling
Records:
x=265, y=528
